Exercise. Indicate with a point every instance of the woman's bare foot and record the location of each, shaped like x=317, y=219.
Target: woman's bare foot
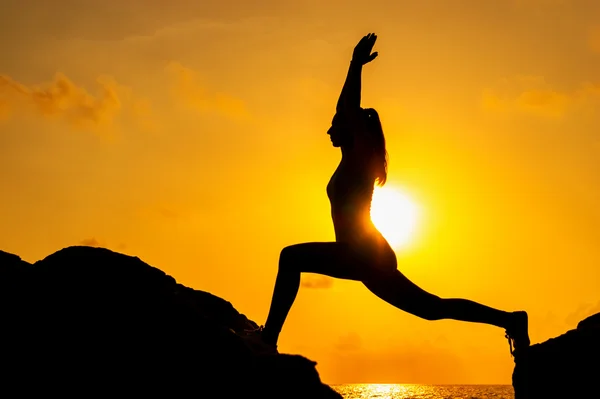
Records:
x=518, y=332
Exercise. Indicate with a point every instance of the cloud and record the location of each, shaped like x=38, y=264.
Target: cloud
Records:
x=93, y=242
x=90, y=242
x=63, y=99
x=186, y=86
x=316, y=281
x=533, y=95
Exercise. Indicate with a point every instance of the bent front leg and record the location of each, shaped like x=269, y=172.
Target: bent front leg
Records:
x=331, y=259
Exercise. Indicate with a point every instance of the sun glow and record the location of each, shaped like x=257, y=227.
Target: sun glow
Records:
x=394, y=215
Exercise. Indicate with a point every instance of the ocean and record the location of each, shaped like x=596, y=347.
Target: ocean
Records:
x=410, y=391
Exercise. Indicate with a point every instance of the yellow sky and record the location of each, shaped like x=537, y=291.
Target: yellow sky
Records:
x=193, y=135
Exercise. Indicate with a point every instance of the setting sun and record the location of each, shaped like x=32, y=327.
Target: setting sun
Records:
x=394, y=215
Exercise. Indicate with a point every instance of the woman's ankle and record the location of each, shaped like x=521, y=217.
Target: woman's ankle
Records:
x=269, y=337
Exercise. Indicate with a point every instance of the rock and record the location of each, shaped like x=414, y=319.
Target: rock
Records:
x=590, y=322
x=89, y=320
x=567, y=366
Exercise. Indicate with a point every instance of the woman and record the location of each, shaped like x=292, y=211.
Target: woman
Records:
x=360, y=252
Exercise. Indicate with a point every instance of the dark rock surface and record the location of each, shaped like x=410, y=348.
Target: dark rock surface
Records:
x=87, y=320
x=567, y=366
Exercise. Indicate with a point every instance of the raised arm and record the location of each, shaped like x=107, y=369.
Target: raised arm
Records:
x=350, y=97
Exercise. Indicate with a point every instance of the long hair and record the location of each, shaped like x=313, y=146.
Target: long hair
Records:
x=380, y=156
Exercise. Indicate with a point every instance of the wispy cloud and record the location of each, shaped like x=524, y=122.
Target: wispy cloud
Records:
x=90, y=242
x=61, y=98
x=533, y=95
x=94, y=242
x=316, y=281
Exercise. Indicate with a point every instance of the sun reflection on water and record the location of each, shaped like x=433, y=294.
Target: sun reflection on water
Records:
x=414, y=391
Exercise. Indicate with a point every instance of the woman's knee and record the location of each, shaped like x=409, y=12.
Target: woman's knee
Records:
x=433, y=308
x=288, y=258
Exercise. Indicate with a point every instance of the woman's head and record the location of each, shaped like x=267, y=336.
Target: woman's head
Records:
x=341, y=136
x=339, y=132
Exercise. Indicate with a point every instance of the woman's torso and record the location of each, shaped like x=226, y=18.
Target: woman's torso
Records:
x=350, y=191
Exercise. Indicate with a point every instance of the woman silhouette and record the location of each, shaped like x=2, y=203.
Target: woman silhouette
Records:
x=360, y=252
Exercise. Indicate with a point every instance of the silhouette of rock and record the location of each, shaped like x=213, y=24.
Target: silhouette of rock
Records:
x=589, y=322
x=563, y=367
x=89, y=320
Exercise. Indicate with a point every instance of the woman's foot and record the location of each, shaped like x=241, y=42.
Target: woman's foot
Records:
x=517, y=332
x=255, y=341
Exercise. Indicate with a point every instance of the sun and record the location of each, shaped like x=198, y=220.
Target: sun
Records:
x=394, y=215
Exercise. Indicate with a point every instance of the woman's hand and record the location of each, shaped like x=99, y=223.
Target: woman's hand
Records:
x=362, y=52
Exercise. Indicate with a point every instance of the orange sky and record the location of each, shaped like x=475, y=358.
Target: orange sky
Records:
x=193, y=135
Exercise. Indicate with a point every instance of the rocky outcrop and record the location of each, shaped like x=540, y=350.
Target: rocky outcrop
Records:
x=567, y=366
x=91, y=321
